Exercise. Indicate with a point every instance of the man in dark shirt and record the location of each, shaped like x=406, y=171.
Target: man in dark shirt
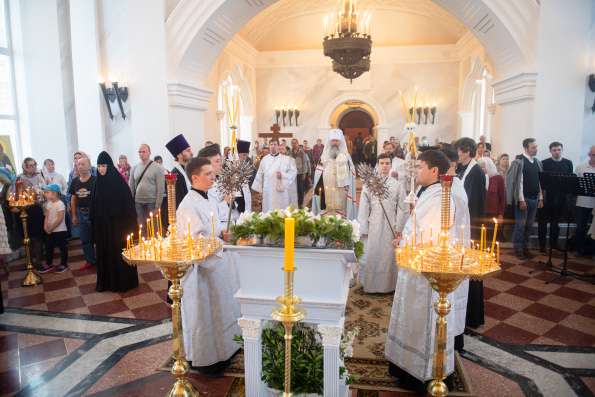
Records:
x=554, y=203
x=523, y=192
x=81, y=191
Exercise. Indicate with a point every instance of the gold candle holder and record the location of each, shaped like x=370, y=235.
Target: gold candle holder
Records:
x=174, y=256
x=21, y=200
x=445, y=266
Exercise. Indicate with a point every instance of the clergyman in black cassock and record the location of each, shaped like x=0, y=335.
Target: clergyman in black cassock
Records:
x=113, y=217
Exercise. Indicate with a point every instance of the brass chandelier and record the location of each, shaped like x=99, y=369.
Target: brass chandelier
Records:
x=347, y=41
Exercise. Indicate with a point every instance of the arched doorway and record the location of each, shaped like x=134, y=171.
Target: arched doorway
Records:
x=357, y=124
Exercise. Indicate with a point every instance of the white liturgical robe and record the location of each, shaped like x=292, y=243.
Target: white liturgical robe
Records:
x=378, y=272
x=411, y=334
x=275, y=192
x=209, y=310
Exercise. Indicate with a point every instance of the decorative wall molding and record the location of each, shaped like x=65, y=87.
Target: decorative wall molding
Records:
x=188, y=96
x=518, y=88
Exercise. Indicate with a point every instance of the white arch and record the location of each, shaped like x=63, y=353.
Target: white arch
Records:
x=197, y=31
x=353, y=96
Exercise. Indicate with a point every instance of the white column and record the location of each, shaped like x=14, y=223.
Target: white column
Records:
x=331, y=341
x=465, y=125
x=251, y=331
x=87, y=95
x=513, y=120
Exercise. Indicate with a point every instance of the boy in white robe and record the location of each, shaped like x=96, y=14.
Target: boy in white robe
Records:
x=209, y=310
x=378, y=273
x=276, y=173
x=411, y=336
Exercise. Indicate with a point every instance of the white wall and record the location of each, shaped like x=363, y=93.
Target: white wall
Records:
x=562, y=60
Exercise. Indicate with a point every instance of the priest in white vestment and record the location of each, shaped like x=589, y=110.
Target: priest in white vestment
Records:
x=410, y=340
x=378, y=273
x=334, y=179
x=209, y=310
x=276, y=173
x=293, y=194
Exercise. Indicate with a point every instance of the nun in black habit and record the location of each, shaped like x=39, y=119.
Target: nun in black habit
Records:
x=113, y=218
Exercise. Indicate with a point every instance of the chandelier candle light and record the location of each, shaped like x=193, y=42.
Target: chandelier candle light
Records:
x=445, y=265
x=21, y=199
x=174, y=255
x=231, y=101
x=288, y=311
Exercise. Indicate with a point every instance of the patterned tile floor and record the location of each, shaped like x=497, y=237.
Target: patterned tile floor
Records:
x=60, y=336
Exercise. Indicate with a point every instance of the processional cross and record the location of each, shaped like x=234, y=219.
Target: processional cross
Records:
x=276, y=134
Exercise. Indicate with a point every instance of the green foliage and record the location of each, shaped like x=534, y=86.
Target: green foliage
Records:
x=358, y=249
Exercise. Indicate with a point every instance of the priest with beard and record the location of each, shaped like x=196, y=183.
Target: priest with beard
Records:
x=474, y=181
x=243, y=200
x=411, y=335
x=209, y=310
x=334, y=179
x=113, y=218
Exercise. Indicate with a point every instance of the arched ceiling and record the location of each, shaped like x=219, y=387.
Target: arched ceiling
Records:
x=297, y=24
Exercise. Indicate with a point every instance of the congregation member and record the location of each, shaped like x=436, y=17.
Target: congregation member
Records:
x=308, y=150
x=388, y=148
x=410, y=339
x=124, y=167
x=503, y=163
x=158, y=159
x=480, y=151
x=334, y=179
x=81, y=193
x=554, y=201
x=113, y=218
x=276, y=173
x=209, y=310
x=317, y=152
x=523, y=192
x=370, y=150
x=302, y=165
x=584, y=209
x=6, y=180
x=496, y=194
x=474, y=182
x=49, y=175
x=54, y=226
x=255, y=151
x=31, y=178
x=378, y=273
x=147, y=184
x=243, y=199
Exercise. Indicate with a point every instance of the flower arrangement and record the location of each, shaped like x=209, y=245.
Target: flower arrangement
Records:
x=307, y=369
x=324, y=231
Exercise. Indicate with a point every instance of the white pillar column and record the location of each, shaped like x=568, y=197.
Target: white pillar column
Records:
x=87, y=95
x=465, y=125
x=513, y=121
x=331, y=341
x=251, y=331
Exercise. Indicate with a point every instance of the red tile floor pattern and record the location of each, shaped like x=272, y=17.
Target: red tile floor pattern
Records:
x=520, y=308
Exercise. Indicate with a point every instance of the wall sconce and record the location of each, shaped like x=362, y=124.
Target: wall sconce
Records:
x=112, y=94
x=296, y=113
x=426, y=112
x=419, y=111
x=293, y=113
x=433, y=112
x=290, y=113
x=277, y=115
x=592, y=87
x=284, y=114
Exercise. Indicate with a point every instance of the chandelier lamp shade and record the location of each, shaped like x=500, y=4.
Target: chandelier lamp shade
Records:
x=347, y=40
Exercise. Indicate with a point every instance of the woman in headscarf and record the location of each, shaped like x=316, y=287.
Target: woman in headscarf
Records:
x=50, y=175
x=495, y=203
x=113, y=217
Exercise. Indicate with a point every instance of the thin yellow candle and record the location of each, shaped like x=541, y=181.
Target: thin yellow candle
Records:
x=148, y=229
x=159, y=223
x=495, y=233
x=127, y=242
x=140, y=235
x=462, y=235
x=497, y=252
x=289, y=244
x=152, y=224
x=212, y=225
x=482, y=237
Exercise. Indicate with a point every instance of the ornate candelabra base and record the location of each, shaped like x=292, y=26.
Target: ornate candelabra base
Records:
x=31, y=278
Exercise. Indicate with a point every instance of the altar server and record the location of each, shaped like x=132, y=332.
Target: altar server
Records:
x=410, y=340
x=209, y=311
x=276, y=173
x=378, y=272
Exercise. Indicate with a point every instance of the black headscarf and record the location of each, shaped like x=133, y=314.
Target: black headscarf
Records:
x=111, y=195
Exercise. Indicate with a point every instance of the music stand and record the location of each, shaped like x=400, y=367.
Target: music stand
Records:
x=566, y=183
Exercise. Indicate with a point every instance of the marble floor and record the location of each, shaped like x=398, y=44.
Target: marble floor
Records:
x=62, y=338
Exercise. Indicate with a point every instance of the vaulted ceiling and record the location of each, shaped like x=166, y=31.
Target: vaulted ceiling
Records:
x=297, y=24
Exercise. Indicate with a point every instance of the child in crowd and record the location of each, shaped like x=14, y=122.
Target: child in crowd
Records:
x=55, y=227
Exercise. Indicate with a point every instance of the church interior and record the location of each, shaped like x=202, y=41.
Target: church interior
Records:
x=122, y=79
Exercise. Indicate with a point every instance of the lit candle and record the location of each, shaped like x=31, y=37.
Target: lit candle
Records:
x=159, y=224
x=152, y=224
x=289, y=244
x=495, y=233
x=212, y=225
x=127, y=242
x=482, y=238
x=431, y=238
x=189, y=232
x=148, y=229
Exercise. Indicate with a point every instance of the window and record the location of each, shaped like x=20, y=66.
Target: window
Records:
x=8, y=108
x=244, y=131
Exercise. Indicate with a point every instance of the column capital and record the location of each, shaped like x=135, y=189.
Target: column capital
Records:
x=331, y=334
x=189, y=96
x=250, y=328
x=517, y=88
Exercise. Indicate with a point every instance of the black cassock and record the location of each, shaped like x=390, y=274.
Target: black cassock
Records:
x=113, y=217
x=475, y=187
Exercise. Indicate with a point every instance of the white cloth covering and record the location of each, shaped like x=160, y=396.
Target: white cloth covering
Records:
x=209, y=310
x=378, y=272
x=275, y=192
x=410, y=340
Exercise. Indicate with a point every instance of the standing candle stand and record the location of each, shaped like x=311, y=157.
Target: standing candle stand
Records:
x=21, y=200
x=288, y=312
x=173, y=255
x=445, y=265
